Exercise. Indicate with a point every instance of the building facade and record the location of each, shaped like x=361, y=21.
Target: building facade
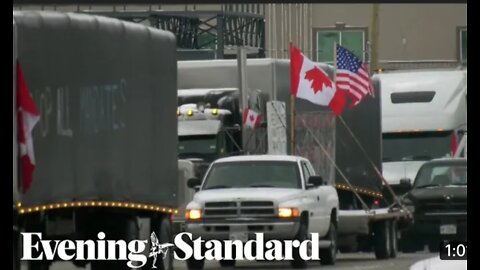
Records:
x=406, y=35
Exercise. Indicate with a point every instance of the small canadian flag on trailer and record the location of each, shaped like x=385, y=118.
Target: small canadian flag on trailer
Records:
x=251, y=118
x=27, y=118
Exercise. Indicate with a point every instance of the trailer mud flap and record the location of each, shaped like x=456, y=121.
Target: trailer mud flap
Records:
x=353, y=222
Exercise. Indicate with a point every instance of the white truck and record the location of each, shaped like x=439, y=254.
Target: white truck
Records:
x=424, y=116
x=278, y=195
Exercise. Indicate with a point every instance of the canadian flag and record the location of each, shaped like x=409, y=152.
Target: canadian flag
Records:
x=28, y=117
x=251, y=118
x=311, y=83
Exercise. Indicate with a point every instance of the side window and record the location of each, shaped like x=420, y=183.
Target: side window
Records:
x=306, y=172
x=310, y=169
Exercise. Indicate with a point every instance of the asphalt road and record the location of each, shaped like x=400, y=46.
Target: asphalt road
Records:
x=352, y=261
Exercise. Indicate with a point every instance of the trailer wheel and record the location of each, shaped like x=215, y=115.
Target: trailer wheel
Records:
x=328, y=256
x=127, y=230
x=166, y=236
x=381, y=239
x=298, y=262
x=393, y=239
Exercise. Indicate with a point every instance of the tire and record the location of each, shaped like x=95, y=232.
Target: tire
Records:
x=329, y=256
x=381, y=240
x=166, y=236
x=393, y=239
x=227, y=263
x=298, y=262
x=127, y=231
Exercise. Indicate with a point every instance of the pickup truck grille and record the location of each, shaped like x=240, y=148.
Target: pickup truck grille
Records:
x=239, y=209
x=442, y=207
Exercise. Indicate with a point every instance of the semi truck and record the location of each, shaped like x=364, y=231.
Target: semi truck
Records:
x=105, y=146
x=424, y=116
x=367, y=219
x=210, y=124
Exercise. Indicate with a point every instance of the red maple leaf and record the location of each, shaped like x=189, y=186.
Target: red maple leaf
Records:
x=318, y=79
x=252, y=118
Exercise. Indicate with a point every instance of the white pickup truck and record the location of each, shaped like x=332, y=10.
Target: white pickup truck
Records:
x=277, y=195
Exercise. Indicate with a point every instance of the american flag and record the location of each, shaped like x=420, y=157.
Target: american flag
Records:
x=352, y=75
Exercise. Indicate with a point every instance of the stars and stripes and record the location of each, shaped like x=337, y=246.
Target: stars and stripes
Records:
x=352, y=75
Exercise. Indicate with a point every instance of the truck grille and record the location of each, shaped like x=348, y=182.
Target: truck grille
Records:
x=239, y=209
x=442, y=207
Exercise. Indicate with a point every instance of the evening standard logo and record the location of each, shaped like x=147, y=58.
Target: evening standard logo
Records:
x=34, y=248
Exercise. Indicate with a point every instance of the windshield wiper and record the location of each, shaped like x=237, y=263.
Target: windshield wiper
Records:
x=261, y=186
x=217, y=187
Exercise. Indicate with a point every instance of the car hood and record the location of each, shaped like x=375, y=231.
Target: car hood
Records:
x=435, y=193
x=394, y=171
x=247, y=194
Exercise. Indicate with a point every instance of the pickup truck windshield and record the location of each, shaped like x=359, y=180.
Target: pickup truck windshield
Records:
x=442, y=175
x=279, y=174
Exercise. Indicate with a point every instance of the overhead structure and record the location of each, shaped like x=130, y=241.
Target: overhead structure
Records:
x=217, y=32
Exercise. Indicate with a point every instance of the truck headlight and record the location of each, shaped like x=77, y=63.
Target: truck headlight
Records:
x=193, y=214
x=285, y=212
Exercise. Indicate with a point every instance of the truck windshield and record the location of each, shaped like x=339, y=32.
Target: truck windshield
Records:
x=279, y=174
x=197, y=146
x=442, y=175
x=416, y=145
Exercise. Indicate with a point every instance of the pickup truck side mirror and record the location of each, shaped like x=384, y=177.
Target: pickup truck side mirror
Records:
x=194, y=183
x=405, y=183
x=316, y=180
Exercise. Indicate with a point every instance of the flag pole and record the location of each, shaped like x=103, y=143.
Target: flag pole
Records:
x=334, y=63
x=292, y=111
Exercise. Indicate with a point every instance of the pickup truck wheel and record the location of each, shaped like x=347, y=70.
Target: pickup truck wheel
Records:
x=381, y=239
x=298, y=262
x=227, y=263
x=393, y=240
x=329, y=256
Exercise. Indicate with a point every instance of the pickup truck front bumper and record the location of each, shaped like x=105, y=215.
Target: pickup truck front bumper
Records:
x=279, y=229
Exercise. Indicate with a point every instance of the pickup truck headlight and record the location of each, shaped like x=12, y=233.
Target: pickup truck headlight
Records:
x=193, y=214
x=285, y=212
